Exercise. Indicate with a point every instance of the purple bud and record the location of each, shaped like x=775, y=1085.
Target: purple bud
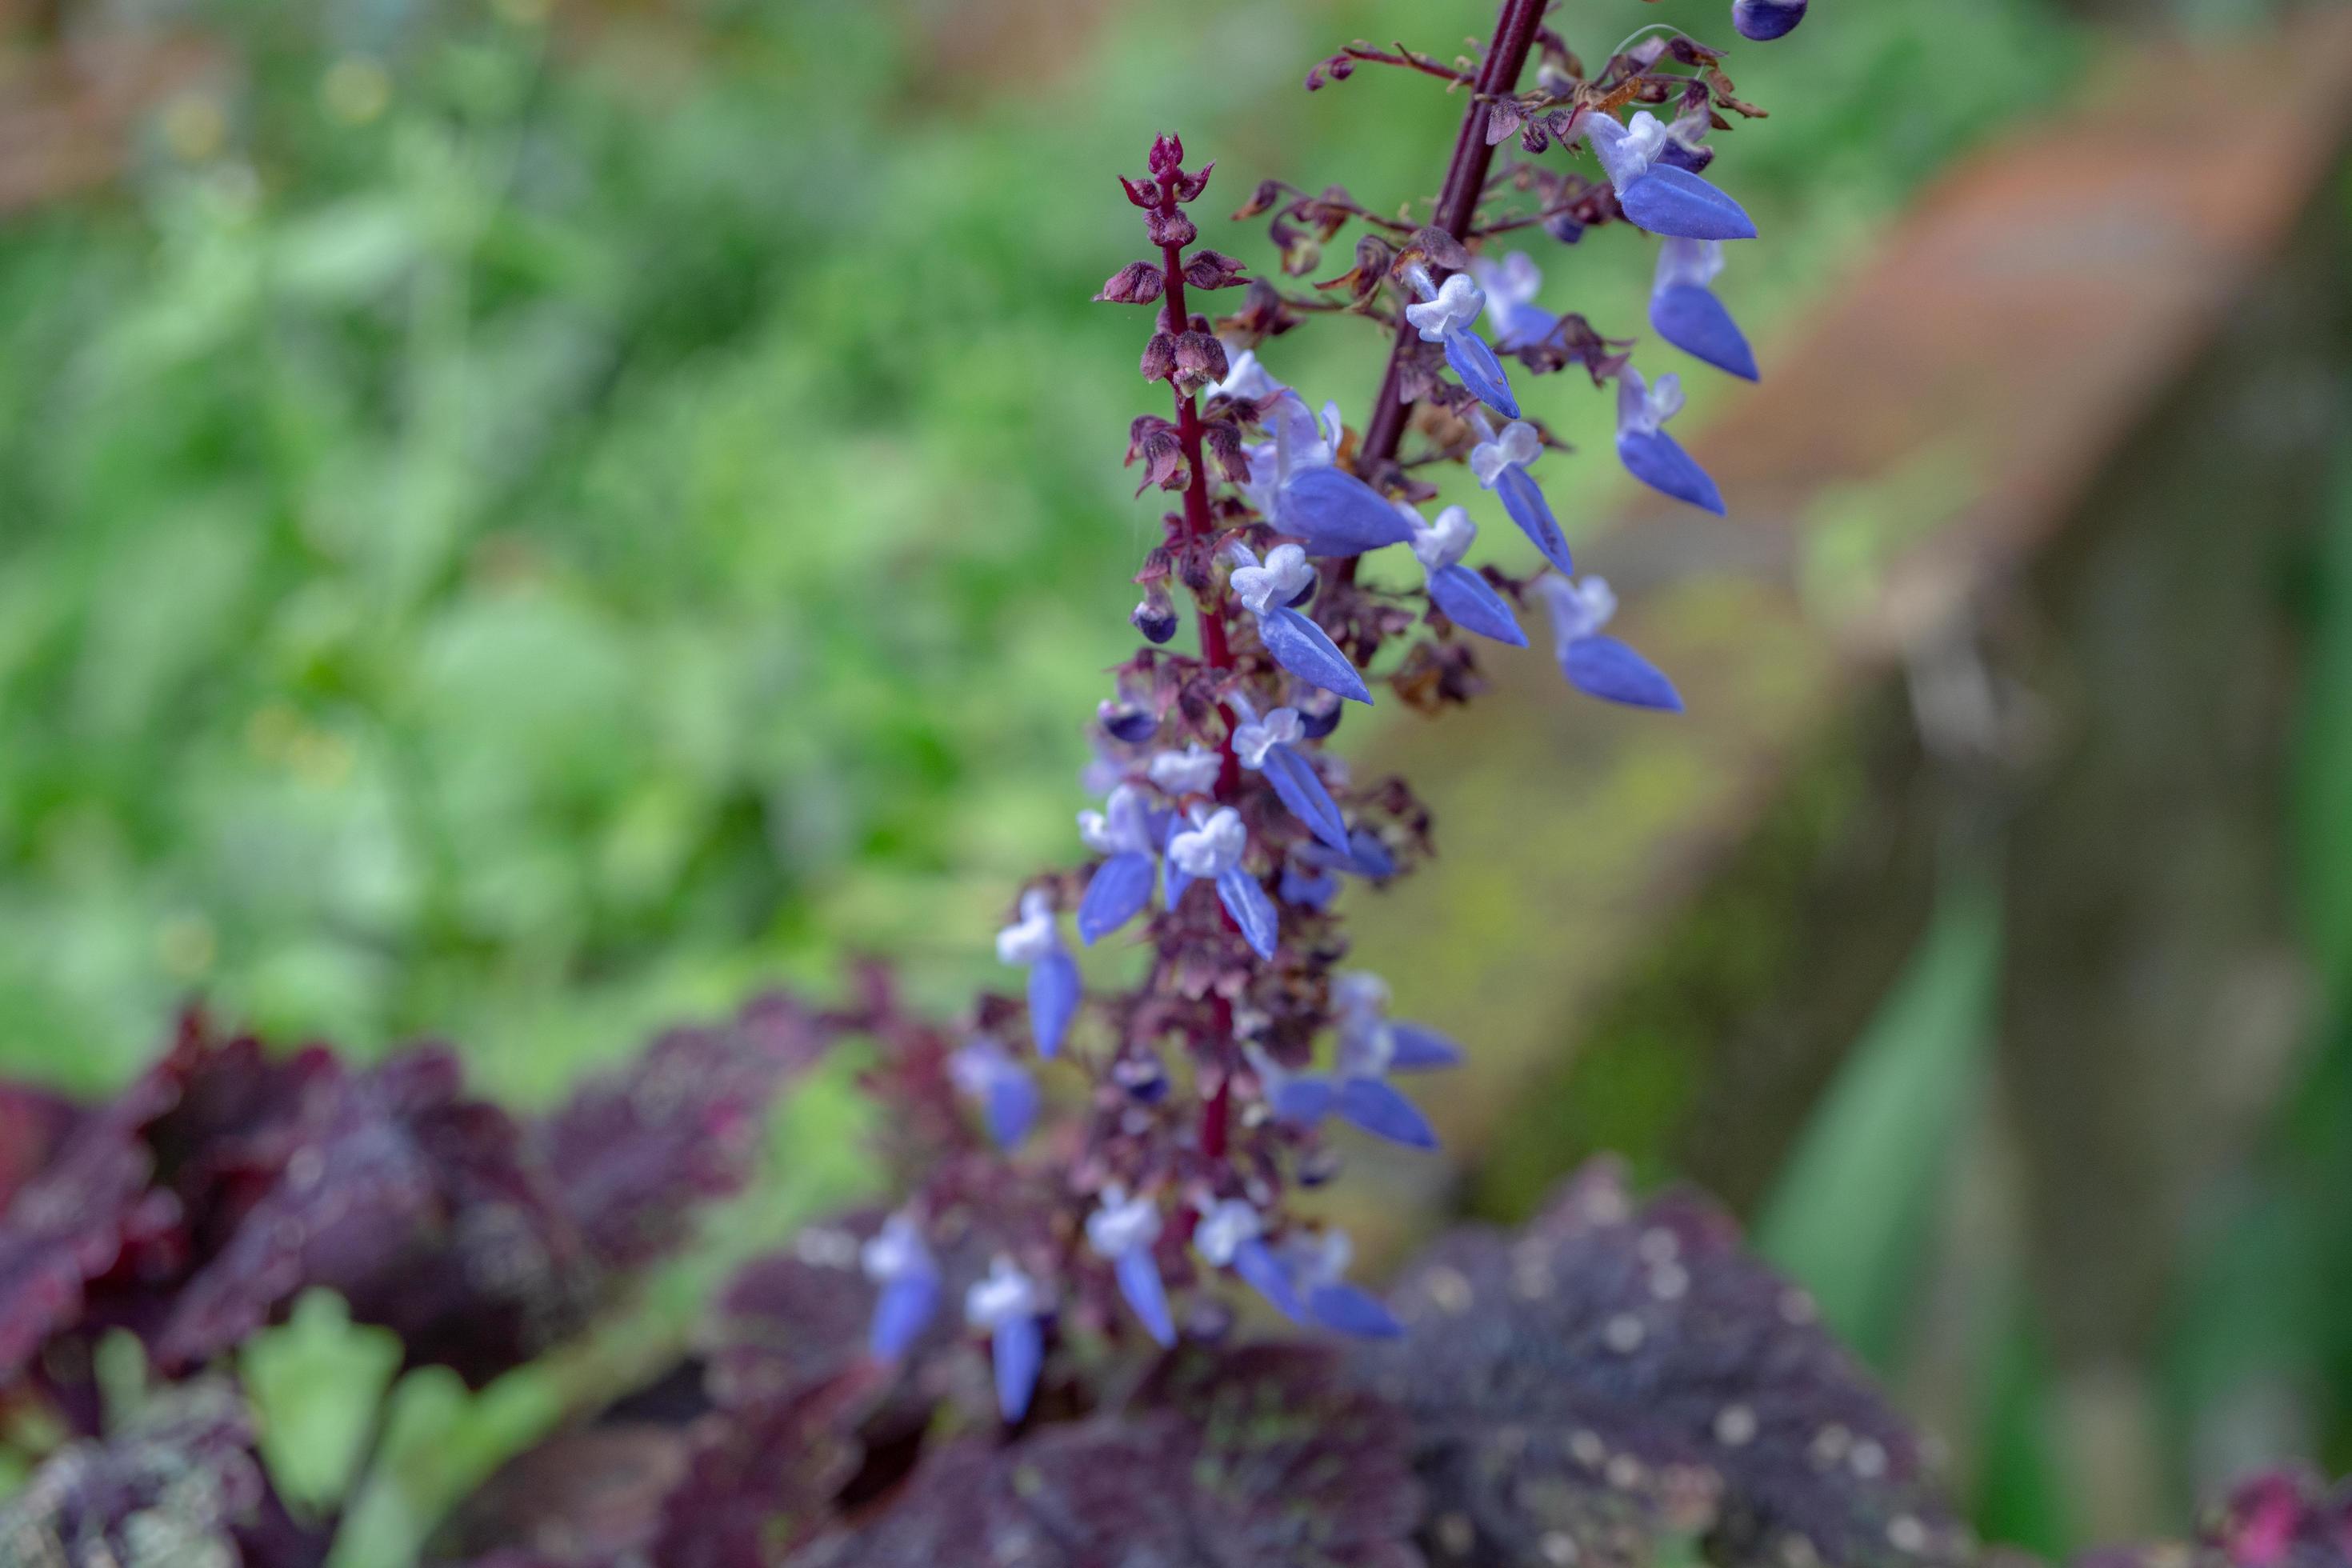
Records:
x=1155, y=618
x=1167, y=154
x=1318, y=713
x=1126, y=722
x=1764, y=20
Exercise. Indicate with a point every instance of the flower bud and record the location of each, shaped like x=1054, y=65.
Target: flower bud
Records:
x=1137, y=283
x=1158, y=357
x=1764, y=20
x=1200, y=356
x=1169, y=228
x=1126, y=722
x=1166, y=156
x=1319, y=714
x=1155, y=618
x=1212, y=269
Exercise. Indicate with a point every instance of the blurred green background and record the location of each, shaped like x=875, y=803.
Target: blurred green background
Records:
x=521, y=523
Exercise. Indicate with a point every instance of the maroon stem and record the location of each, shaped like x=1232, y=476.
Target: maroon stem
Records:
x=1515, y=26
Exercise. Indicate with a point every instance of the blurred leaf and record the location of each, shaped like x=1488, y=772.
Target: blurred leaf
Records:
x=316, y=1385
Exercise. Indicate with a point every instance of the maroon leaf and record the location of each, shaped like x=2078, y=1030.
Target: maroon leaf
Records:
x=33, y=1124
x=1611, y=1370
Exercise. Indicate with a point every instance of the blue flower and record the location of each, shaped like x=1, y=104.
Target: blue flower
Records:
x=1231, y=1235
x=1654, y=193
x=1054, y=989
x=985, y=1072
x=1011, y=1308
x=1358, y=1091
x=1211, y=849
x=1685, y=312
x=901, y=1266
x=1265, y=746
x=1122, y=1231
x=1367, y=1035
x=1319, y=1267
x=1309, y=886
x=1126, y=836
x=1600, y=666
x=1295, y=642
x=1444, y=316
x=1295, y=483
x=1500, y=463
x=1463, y=594
x=1192, y=771
x=1511, y=286
x=1764, y=20
x=1367, y=856
x=1650, y=455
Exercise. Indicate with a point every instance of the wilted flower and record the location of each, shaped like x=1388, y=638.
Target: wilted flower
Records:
x=1650, y=455
x=1600, y=666
x=1685, y=312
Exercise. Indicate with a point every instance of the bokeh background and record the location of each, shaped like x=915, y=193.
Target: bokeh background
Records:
x=525, y=521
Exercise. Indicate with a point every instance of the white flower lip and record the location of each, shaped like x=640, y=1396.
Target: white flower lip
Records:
x=1032, y=937
x=1456, y=305
x=1212, y=846
x=1267, y=588
x=1253, y=739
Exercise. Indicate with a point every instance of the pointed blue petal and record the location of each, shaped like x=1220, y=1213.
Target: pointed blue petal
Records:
x=1257, y=1264
x=1139, y=1281
x=1053, y=1000
x=1295, y=780
x=1658, y=460
x=1380, y=1110
x=1303, y=1100
x=1121, y=887
x=1473, y=602
x=1300, y=647
x=1177, y=881
x=1333, y=513
x=1011, y=1106
x=1524, y=499
x=1372, y=857
x=1696, y=322
x=1018, y=1347
x=1681, y=205
x=1251, y=909
x=1347, y=1309
x=1421, y=1050
x=1522, y=325
x=901, y=1312
x=1480, y=371
x=1604, y=667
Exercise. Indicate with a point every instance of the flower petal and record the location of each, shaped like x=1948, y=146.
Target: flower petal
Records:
x=1251, y=909
x=1380, y=1110
x=1301, y=789
x=1257, y=1264
x=1471, y=601
x=1347, y=1309
x=1524, y=499
x=1018, y=1348
x=1301, y=647
x=1765, y=20
x=902, y=1311
x=1696, y=322
x=1336, y=514
x=1480, y=371
x=1117, y=893
x=1303, y=1100
x=1053, y=989
x=1604, y=667
x=1308, y=890
x=1011, y=1106
x=1417, y=1049
x=1177, y=881
x=1658, y=460
x=1139, y=1281
x=1681, y=205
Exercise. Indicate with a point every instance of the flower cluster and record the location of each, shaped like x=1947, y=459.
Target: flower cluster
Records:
x=1216, y=1082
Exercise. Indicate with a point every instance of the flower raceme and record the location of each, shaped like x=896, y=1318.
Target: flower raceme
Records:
x=1233, y=1062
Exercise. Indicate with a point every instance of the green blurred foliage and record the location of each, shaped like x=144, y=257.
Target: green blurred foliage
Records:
x=519, y=538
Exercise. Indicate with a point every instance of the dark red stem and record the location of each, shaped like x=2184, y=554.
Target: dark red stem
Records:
x=1515, y=26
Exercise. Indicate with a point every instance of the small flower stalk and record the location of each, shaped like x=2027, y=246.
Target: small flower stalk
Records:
x=1126, y=1138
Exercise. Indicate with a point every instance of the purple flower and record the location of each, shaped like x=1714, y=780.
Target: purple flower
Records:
x=1358, y=1091
x=1297, y=642
x=1319, y=1266
x=1054, y=989
x=1500, y=463
x=1123, y=833
x=1211, y=849
x=1650, y=455
x=1600, y=666
x=1653, y=192
x=1011, y=1307
x=1764, y=20
x=1231, y=1235
x=985, y=1072
x=1265, y=746
x=1463, y=594
x=1511, y=286
x=1295, y=481
x=899, y=1263
x=1686, y=313
x=1121, y=1230
x=1444, y=315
